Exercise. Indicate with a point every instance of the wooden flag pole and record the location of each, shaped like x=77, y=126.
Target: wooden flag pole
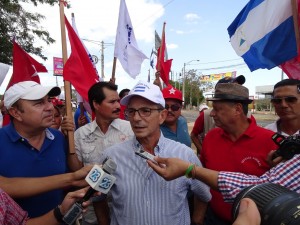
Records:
x=296, y=19
x=67, y=85
x=113, y=73
x=157, y=74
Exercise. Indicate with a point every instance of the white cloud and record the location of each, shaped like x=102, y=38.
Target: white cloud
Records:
x=192, y=17
x=172, y=46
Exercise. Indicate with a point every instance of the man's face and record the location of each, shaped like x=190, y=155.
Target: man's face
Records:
x=223, y=113
x=145, y=125
x=34, y=113
x=287, y=102
x=109, y=109
x=172, y=105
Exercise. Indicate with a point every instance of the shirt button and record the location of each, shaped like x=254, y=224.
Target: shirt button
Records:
x=22, y=139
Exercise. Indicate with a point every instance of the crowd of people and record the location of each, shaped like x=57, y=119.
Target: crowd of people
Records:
x=40, y=178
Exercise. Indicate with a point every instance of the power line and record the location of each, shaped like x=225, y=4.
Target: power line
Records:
x=223, y=67
x=147, y=18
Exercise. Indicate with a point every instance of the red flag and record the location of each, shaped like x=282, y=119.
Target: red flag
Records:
x=163, y=66
x=24, y=66
x=292, y=67
x=79, y=69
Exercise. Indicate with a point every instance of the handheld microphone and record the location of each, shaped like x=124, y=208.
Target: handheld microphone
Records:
x=99, y=179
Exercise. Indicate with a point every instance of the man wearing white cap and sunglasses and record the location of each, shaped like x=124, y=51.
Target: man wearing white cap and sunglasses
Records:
x=28, y=147
x=139, y=195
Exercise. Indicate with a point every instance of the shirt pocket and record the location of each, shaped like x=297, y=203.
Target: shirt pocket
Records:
x=89, y=153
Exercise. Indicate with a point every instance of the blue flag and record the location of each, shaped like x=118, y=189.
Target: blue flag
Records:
x=263, y=33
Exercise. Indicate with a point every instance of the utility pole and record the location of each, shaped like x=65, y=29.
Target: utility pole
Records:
x=102, y=47
x=102, y=59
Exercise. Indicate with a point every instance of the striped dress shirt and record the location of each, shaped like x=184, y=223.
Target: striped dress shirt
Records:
x=142, y=197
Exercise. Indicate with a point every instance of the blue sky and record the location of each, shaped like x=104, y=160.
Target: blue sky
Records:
x=195, y=30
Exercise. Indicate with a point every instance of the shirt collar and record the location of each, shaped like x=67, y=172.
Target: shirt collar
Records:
x=157, y=149
x=113, y=124
x=15, y=136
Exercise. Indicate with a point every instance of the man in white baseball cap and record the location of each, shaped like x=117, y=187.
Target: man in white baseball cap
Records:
x=145, y=112
x=28, y=90
x=29, y=148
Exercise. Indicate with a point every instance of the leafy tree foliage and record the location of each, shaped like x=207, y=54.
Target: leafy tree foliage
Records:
x=16, y=22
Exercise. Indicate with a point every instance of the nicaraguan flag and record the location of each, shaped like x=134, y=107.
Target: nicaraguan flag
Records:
x=263, y=33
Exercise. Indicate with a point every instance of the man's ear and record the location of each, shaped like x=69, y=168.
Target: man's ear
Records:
x=163, y=116
x=15, y=113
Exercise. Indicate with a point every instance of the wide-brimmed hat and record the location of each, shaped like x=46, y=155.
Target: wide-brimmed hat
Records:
x=231, y=92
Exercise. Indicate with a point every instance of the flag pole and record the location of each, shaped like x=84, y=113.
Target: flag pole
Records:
x=67, y=85
x=157, y=74
x=114, y=70
x=296, y=20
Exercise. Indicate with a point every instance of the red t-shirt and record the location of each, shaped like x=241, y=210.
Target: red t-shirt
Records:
x=199, y=124
x=122, y=109
x=246, y=155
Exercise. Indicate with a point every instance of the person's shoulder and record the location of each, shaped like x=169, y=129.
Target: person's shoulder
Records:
x=272, y=126
x=122, y=125
x=266, y=130
x=176, y=148
x=83, y=129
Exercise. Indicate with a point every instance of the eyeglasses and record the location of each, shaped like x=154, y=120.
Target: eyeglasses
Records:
x=288, y=100
x=143, y=112
x=172, y=107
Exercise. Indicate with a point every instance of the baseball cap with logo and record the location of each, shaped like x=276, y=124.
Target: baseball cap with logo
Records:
x=146, y=90
x=28, y=90
x=172, y=93
x=239, y=80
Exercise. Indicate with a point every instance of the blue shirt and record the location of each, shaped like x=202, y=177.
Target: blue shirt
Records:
x=19, y=159
x=141, y=196
x=76, y=116
x=182, y=132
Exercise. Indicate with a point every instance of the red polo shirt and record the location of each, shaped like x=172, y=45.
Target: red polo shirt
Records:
x=246, y=155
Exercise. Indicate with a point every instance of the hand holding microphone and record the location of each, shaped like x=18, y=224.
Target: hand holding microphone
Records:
x=99, y=179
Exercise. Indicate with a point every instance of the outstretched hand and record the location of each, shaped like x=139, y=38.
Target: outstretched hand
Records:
x=72, y=197
x=248, y=213
x=169, y=168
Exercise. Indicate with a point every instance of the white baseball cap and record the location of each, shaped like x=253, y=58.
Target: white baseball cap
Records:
x=28, y=90
x=146, y=90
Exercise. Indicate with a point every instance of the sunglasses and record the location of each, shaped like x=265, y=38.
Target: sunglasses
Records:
x=172, y=107
x=288, y=100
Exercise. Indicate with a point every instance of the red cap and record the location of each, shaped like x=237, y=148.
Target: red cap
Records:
x=56, y=102
x=172, y=93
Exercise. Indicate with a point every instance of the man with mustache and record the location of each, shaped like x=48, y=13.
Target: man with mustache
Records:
x=106, y=130
x=175, y=125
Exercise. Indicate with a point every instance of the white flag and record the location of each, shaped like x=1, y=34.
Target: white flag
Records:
x=126, y=48
x=3, y=71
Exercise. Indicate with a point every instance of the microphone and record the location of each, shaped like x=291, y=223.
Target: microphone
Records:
x=99, y=179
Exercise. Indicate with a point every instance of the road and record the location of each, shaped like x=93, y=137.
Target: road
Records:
x=262, y=118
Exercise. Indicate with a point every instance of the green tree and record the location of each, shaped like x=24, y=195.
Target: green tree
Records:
x=193, y=95
x=16, y=22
